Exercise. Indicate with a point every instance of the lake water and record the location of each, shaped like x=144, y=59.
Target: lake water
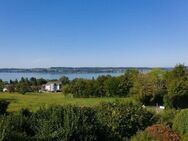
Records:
x=49, y=76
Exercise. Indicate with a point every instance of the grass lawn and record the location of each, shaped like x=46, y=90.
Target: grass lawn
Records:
x=33, y=101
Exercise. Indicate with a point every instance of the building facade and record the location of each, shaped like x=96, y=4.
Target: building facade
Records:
x=54, y=86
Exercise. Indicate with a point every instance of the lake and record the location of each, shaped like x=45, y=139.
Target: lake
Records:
x=12, y=76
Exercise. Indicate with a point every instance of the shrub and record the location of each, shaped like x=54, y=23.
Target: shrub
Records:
x=167, y=116
x=23, y=87
x=4, y=128
x=3, y=107
x=22, y=123
x=181, y=122
x=177, y=101
x=66, y=123
x=110, y=121
x=162, y=133
x=123, y=120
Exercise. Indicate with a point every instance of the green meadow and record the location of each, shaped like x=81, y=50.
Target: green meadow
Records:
x=34, y=101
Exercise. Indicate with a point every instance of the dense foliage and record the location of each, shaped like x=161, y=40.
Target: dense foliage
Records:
x=181, y=122
x=177, y=86
x=167, y=116
x=156, y=87
x=110, y=121
x=24, y=85
x=103, y=86
x=5, y=128
x=162, y=133
x=157, y=132
x=122, y=121
x=3, y=107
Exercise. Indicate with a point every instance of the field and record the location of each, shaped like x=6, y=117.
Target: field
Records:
x=33, y=101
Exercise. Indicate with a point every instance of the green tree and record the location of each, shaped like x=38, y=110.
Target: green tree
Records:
x=126, y=82
x=33, y=81
x=78, y=86
x=124, y=86
x=23, y=88
x=2, y=84
x=100, y=85
x=177, y=86
x=64, y=80
x=41, y=81
x=149, y=89
x=111, y=86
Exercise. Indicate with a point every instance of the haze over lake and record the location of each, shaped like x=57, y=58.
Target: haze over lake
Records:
x=6, y=76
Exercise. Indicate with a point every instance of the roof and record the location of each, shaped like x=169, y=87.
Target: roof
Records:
x=53, y=82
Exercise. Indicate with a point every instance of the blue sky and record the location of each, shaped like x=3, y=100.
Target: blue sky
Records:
x=136, y=33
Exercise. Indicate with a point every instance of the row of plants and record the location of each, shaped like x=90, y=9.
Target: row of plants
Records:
x=114, y=121
x=110, y=121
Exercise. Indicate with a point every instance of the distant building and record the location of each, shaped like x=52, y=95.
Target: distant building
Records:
x=5, y=89
x=53, y=86
x=9, y=88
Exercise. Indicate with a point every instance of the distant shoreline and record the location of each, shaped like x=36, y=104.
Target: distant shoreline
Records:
x=79, y=70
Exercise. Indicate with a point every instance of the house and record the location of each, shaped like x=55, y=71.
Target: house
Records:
x=5, y=89
x=52, y=86
x=9, y=88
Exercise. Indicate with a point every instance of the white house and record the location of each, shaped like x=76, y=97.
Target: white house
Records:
x=53, y=86
x=5, y=90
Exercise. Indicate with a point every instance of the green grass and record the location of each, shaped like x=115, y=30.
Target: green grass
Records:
x=34, y=101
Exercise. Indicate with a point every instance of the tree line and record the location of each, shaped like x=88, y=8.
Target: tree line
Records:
x=23, y=85
x=150, y=88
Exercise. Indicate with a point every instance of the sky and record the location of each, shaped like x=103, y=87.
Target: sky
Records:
x=93, y=33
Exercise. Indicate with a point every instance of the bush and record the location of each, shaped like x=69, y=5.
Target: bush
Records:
x=121, y=121
x=162, y=133
x=17, y=127
x=4, y=128
x=66, y=123
x=177, y=101
x=3, y=107
x=21, y=126
x=167, y=116
x=110, y=121
x=181, y=122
